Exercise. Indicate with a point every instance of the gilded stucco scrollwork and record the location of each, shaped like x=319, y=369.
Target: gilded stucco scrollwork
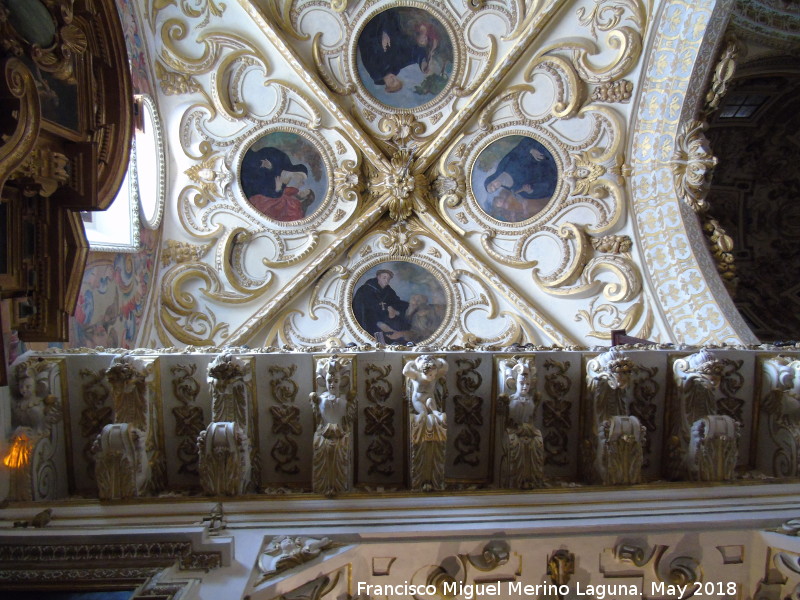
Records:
x=379, y=420
x=453, y=303
x=286, y=426
x=189, y=417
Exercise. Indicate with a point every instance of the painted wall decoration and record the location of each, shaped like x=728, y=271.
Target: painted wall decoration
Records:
x=514, y=178
x=405, y=57
x=112, y=297
x=400, y=300
x=283, y=176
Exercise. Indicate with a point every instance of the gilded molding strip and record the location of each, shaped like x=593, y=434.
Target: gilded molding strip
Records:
x=693, y=300
x=457, y=122
x=525, y=306
x=363, y=142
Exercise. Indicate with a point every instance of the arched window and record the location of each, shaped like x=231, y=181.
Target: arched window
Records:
x=140, y=200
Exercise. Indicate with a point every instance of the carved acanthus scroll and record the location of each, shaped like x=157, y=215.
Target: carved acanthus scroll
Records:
x=128, y=453
x=225, y=447
x=703, y=446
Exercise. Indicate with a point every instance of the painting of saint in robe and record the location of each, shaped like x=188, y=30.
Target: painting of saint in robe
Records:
x=283, y=176
x=399, y=302
x=514, y=178
x=405, y=57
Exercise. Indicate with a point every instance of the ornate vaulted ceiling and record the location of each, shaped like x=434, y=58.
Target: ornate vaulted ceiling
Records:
x=526, y=171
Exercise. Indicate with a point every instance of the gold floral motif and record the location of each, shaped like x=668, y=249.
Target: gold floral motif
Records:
x=399, y=187
x=401, y=129
x=613, y=91
x=401, y=240
x=174, y=83
x=181, y=252
x=612, y=244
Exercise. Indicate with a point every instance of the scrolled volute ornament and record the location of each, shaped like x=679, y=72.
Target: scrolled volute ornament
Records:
x=692, y=164
x=347, y=182
x=284, y=552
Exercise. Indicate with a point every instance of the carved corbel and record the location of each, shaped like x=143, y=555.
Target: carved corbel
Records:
x=122, y=469
x=704, y=444
x=36, y=442
x=334, y=407
x=427, y=421
x=782, y=407
x=614, y=450
x=522, y=462
x=224, y=459
x=134, y=396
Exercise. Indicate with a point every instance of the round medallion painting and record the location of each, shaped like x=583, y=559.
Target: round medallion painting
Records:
x=514, y=178
x=283, y=176
x=405, y=57
x=399, y=302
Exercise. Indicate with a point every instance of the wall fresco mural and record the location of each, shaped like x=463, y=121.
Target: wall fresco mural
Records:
x=405, y=57
x=113, y=295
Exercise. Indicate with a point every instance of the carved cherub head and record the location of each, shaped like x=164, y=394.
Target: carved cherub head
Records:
x=428, y=366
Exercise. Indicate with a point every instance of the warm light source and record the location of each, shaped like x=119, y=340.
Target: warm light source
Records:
x=20, y=452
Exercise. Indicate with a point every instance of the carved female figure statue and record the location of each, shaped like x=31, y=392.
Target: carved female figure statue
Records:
x=522, y=463
x=334, y=415
x=428, y=422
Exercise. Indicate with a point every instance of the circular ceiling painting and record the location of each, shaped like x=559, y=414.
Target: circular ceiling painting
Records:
x=283, y=176
x=400, y=302
x=405, y=57
x=514, y=178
